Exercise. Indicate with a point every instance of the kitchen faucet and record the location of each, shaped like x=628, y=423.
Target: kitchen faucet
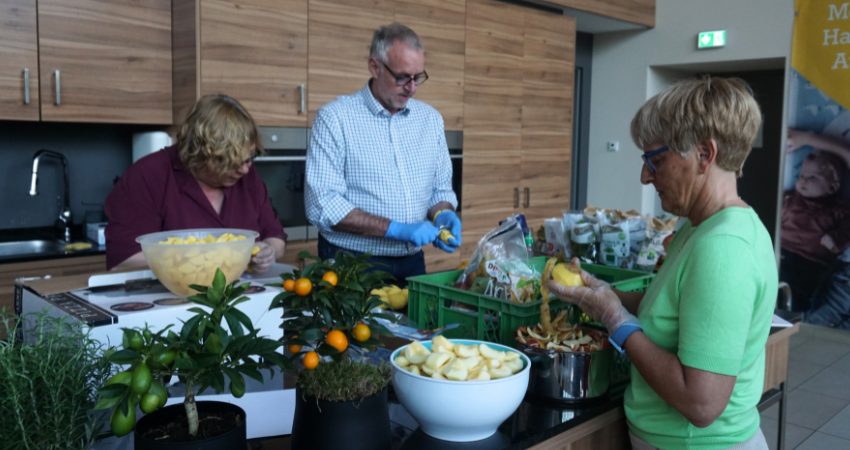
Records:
x=64, y=221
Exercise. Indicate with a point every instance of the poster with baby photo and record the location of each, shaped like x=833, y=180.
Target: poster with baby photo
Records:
x=815, y=236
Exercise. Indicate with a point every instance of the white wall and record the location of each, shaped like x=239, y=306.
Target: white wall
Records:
x=625, y=75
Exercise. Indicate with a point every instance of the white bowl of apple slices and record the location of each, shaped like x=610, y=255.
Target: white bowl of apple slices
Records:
x=459, y=390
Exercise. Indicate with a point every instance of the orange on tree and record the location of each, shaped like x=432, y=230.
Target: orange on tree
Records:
x=337, y=340
x=361, y=332
x=330, y=277
x=311, y=360
x=303, y=287
x=294, y=348
x=289, y=285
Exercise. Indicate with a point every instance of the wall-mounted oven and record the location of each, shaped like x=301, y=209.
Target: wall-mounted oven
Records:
x=282, y=169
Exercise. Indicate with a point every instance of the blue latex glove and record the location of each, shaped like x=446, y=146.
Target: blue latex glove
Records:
x=418, y=234
x=447, y=219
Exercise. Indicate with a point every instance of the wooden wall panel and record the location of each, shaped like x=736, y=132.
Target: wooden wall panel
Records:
x=256, y=52
x=641, y=12
x=114, y=58
x=186, y=75
x=18, y=51
x=492, y=116
x=441, y=26
x=547, y=107
x=340, y=36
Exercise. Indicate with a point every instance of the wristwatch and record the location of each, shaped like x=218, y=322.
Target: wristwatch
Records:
x=618, y=339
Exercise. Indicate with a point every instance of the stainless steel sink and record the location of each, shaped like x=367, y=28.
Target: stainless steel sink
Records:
x=30, y=247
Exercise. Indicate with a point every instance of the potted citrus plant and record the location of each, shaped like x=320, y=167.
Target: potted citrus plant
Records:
x=200, y=355
x=330, y=312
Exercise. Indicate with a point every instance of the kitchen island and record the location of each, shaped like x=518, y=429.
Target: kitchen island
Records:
x=542, y=425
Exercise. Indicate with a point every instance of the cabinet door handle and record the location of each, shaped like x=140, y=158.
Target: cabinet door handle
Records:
x=26, y=86
x=516, y=201
x=58, y=88
x=527, y=197
x=303, y=108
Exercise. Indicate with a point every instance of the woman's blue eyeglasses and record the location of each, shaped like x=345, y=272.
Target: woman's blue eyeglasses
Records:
x=648, y=155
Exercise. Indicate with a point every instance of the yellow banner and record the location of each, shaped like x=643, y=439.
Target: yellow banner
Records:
x=821, y=50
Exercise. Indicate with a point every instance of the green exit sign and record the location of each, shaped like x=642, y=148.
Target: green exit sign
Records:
x=711, y=39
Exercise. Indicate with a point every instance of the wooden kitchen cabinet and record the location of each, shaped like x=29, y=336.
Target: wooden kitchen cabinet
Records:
x=54, y=267
x=113, y=59
x=19, y=60
x=547, y=115
x=252, y=50
x=341, y=34
x=517, y=116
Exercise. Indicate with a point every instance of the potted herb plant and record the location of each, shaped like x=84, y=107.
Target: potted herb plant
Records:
x=200, y=355
x=48, y=383
x=328, y=313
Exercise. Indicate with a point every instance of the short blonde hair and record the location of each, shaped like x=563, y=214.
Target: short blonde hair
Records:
x=695, y=111
x=217, y=136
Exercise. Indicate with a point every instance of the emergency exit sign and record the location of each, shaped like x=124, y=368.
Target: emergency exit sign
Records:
x=711, y=39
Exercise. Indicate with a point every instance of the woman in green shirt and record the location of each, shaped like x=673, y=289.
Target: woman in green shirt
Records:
x=696, y=338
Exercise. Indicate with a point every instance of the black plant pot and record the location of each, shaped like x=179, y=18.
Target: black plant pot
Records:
x=233, y=439
x=353, y=425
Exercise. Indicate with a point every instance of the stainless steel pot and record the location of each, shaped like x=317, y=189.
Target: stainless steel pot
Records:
x=569, y=376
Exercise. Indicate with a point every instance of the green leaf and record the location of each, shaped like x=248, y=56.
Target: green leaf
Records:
x=126, y=356
x=312, y=334
x=245, y=320
x=326, y=350
x=235, y=378
x=376, y=329
x=238, y=291
x=216, y=380
x=279, y=360
x=218, y=285
x=201, y=299
x=197, y=310
x=237, y=344
x=106, y=403
x=113, y=390
x=238, y=301
x=234, y=325
x=187, y=364
x=190, y=328
x=213, y=344
x=351, y=284
x=251, y=372
x=204, y=360
x=259, y=346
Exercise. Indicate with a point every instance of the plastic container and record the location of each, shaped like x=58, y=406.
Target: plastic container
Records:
x=434, y=303
x=179, y=266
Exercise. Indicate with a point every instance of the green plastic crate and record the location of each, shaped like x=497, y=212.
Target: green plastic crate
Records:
x=490, y=319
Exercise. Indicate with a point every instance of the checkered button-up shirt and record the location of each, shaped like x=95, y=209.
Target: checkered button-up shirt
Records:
x=394, y=166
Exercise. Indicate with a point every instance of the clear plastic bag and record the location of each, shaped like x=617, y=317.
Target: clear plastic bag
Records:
x=503, y=243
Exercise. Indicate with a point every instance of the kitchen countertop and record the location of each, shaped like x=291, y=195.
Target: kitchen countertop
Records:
x=47, y=234
x=534, y=422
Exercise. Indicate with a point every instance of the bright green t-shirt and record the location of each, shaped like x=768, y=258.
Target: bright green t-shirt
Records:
x=711, y=304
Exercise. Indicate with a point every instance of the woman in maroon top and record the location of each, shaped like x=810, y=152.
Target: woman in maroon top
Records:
x=205, y=180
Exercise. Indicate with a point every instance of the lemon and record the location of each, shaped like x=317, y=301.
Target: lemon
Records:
x=120, y=423
x=150, y=402
x=393, y=290
x=567, y=275
x=141, y=381
x=397, y=300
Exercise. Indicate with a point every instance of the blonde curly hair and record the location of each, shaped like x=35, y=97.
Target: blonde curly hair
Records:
x=698, y=110
x=217, y=136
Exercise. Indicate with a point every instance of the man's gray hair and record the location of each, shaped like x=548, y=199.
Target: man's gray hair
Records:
x=386, y=35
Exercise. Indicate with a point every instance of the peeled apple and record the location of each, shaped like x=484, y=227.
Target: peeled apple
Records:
x=445, y=361
x=567, y=275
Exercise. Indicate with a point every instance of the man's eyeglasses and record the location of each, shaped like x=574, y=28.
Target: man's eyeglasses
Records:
x=648, y=155
x=403, y=79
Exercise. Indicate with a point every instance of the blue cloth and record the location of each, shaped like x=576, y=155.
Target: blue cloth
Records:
x=393, y=166
x=399, y=267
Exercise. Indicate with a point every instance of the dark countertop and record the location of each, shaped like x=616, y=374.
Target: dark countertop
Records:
x=48, y=234
x=533, y=422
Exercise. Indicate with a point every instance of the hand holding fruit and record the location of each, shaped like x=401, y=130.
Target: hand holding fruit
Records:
x=418, y=234
x=597, y=299
x=450, y=229
x=264, y=258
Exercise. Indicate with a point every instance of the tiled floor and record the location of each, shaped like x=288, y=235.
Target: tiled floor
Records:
x=818, y=413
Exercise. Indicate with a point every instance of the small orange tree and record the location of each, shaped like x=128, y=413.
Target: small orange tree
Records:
x=329, y=307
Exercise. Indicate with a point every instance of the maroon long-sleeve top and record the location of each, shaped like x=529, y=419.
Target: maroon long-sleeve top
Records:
x=158, y=193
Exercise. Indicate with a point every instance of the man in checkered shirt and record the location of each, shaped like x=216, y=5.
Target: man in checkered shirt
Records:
x=379, y=177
